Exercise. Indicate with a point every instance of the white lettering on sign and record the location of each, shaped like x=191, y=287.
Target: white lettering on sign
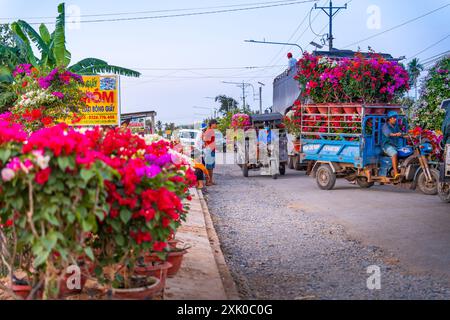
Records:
x=311, y=147
x=331, y=148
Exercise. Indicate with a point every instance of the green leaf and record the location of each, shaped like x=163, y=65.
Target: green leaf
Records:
x=41, y=259
x=63, y=163
x=116, y=225
x=86, y=174
x=50, y=240
x=51, y=218
x=59, y=37
x=125, y=215
x=5, y=154
x=120, y=240
x=86, y=225
x=89, y=253
x=45, y=34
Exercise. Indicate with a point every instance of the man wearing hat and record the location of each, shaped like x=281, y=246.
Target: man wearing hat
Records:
x=389, y=139
x=292, y=61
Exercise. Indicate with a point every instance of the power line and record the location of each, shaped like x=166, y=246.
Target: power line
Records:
x=188, y=14
x=398, y=26
x=158, y=11
x=437, y=56
x=430, y=46
x=208, y=68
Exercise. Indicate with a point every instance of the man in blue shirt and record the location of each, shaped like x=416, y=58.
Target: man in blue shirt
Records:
x=389, y=139
x=292, y=61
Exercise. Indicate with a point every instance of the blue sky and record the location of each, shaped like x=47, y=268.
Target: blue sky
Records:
x=217, y=41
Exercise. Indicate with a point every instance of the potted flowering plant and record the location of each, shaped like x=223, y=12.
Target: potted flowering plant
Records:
x=145, y=207
x=52, y=196
x=240, y=121
x=366, y=80
x=43, y=100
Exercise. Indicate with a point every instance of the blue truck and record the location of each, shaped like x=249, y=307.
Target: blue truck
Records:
x=358, y=156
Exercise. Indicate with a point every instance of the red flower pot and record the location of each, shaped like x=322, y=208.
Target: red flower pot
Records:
x=312, y=108
x=175, y=258
x=141, y=293
x=323, y=108
x=22, y=291
x=379, y=111
x=156, y=269
x=65, y=291
x=349, y=108
x=336, y=109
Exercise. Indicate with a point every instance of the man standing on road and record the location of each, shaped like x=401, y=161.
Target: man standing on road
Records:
x=209, y=140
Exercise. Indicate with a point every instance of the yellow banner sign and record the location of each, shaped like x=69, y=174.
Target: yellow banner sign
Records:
x=102, y=104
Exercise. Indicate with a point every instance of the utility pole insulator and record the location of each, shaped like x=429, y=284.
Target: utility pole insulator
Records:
x=330, y=11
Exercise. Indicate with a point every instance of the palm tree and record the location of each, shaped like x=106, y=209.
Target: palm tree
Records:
x=226, y=103
x=414, y=70
x=52, y=47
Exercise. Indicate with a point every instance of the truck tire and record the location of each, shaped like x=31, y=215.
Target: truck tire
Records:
x=245, y=170
x=297, y=164
x=362, y=182
x=444, y=191
x=425, y=187
x=325, y=177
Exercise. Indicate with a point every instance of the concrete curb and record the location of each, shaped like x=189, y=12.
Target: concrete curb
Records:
x=225, y=274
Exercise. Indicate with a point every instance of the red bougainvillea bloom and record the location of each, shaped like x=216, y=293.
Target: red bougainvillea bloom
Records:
x=159, y=246
x=42, y=176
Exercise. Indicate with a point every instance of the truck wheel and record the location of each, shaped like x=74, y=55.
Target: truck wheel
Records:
x=245, y=170
x=325, y=177
x=362, y=182
x=297, y=164
x=291, y=162
x=429, y=188
x=283, y=169
x=444, y=191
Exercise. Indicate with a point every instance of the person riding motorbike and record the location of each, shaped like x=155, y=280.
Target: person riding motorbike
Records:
x=390, y=134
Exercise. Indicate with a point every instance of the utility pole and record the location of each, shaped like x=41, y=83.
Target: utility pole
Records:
x=243, y=94
x=330, y=13
x=260, y=96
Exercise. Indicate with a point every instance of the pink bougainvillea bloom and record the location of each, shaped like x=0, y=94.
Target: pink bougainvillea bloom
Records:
x=8, y=174
x=58, y=94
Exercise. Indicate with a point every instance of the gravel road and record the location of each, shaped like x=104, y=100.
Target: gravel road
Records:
x=277, y=250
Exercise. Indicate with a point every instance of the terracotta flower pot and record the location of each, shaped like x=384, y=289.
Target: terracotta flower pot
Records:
x=379, y=111
x=65, y=291
x=323, y=108
x=22, y=291
x=156, y=269
x=312, y=109
x=175, y=258
x=336, y=109
x=141, y=293
x=349, y=108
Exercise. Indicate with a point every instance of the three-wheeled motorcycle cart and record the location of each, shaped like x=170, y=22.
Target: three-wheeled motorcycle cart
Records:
x=263, y=146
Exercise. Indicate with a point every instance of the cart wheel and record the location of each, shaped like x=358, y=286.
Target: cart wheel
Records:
x=325, y=177
x=291, y=162
x=245, y=170
x=282, y=169
x=429, y=188
x=275, y=176
x=444, y=191
x=362, y=182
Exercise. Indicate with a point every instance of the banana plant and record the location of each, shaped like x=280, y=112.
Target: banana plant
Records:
x=53, y=51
